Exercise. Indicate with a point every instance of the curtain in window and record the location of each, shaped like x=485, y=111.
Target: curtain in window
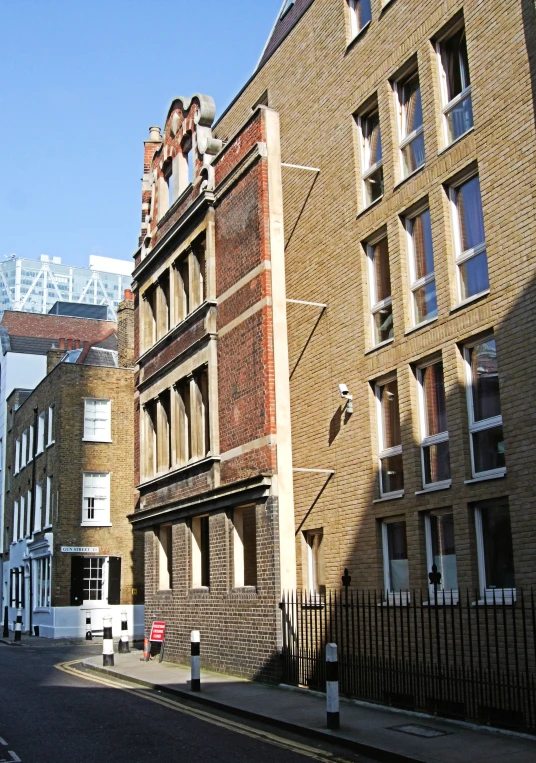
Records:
x=469, y=204
x=390, y=415
x=382, y=270
x=373, y=139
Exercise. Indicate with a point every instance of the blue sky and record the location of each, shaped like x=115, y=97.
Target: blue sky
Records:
x=81, y=81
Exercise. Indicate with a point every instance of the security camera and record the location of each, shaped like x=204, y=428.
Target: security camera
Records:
x=345, y=394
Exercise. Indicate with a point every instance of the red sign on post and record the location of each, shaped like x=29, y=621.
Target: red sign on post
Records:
x=158, y=631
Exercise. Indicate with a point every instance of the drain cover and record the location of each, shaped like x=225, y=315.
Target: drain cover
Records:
x=419, y=731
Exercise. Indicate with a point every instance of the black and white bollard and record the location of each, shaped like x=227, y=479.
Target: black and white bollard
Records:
x=6, y=624
x=195, y=660
x=18, y=627
x=89, y=632
x=123, y=641
x=332, y=686
x=107, y=643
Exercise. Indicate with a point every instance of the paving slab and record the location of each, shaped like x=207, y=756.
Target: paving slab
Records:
x=382, y=733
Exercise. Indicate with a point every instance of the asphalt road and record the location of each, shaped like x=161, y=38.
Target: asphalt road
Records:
x=51, y=715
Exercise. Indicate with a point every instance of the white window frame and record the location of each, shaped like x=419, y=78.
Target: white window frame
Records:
x=449, y=596
x=478, y=426
x=88, y=402
x=417, y=283
x=41, y=433
x=28, y=529
x=394, y=598
x=353, y=11
x=38, y=512
x=43, y=578
x=461, y=255
x=367, y=169
x=48, y=503
x=15, y=521
x=24, y=449
x=22, y=517
x=446, y=105
x=103, y=520
x=396, y=450
x=17, y=456
x=375, y=306
x=489, y=595
x=50, y=426
x=427, y=440
x=30, y=442
x=104, y=585
x=405, y=139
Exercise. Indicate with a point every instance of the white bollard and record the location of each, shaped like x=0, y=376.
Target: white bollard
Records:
x=332, y=686
x=107, y=643
x=195, y=660
x=18, y=626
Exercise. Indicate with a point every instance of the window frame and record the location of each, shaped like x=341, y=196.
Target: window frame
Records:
x=489, y=595
x=16, y=470
x=48, y=503
x=42, y=582
x=375, y=305
x=108, y=438
x=200, y=544
x=479, y=426
x=444, y=595
x=405, y=140
x=24, y=450
x=38, y=509
x=462, y=256
x=395, y=450
x=395, y=598
x=41, y=433
x=428, y=440
x=353, y=13
x=448, y=105
x=165, y=557
x=418, y=283
x=106, y=509
x=315, y=562
x=50, y=425
x=367, y=169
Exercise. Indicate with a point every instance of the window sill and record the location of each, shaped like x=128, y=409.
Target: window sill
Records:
x=389, y=497
x=47, y=527
x=461, y=137
x=485, y=477
x=494, y=596
x=179, y=470
x=96, y=524
x=370, y=206
x=200, y=591
x=385, y=5
x=49, y=444
x=469, y=301
x=398, y=599
x=42, y=610
x=408, y=177
x=88, y=439
x=357, y=36
x=434, y=488
x=421, y=325
x=379, y=346
x=451, y=600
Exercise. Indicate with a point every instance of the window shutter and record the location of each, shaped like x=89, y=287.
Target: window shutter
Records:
x=114, y=580
x=77, y=581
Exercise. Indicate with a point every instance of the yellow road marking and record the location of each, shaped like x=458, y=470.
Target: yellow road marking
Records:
x=202, y=715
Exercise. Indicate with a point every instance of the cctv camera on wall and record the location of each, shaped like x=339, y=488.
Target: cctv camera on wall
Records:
x=345, y=394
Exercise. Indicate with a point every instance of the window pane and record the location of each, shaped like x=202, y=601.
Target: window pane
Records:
x=471, y=219
x=443, y=549
x=411, y=105
x=498, y=551
x=413, y=155
x=382, y=272
x=474, y=275
x=398, y=556
x=383, y=324
x=459, y=118
x=392, y=474
x=435, y=407
x=364, y=12
x=373, y=140
x=390, y=415
x=456, y=64
x=488, y=449
x=374, y=186
x=436, y=462
x=485, y=381
x=425, y=300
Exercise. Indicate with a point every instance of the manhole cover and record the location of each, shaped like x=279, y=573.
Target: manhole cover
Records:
x=419, y=731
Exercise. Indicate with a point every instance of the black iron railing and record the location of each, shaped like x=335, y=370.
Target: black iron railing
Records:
x=465, y=657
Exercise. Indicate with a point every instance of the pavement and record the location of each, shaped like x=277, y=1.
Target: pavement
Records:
x=381, y=733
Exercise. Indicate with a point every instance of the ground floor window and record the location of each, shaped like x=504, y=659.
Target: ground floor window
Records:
x=495, y=549
x=395, y=556
x=95, y=579
x=315, y=561
x=200, y=552
x=17, y=587
x=441, y=549
x=245, y=546
x=42, y=571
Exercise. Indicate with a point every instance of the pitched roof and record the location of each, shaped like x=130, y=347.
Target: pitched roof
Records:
x=30, y=345
x=286, y=21
x=99, y=357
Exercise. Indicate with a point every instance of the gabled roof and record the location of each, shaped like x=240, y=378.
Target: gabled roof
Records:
x=289, y=15
x=30, y=345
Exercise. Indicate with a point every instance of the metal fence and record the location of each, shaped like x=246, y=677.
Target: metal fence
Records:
x=463, y=657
